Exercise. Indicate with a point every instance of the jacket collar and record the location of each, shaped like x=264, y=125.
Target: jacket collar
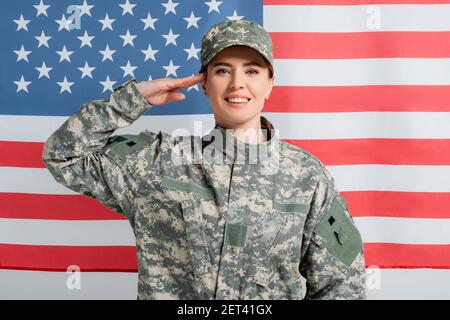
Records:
x=229, y=149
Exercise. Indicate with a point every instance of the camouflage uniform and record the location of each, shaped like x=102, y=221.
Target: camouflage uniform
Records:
x=211, y=219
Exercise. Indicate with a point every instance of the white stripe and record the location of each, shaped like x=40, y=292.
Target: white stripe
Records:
x=408, y=284
x=406, y=178
x=381, y=284
x=355, y=125
x=356, y=18
x=30, y=180
x=53, y=285
x=413, y=231
x=362, y=72
x=66, y=232
x=339, y=125
x=391, y=178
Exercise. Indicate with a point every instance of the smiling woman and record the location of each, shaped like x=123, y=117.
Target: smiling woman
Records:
x=237, y=83
x=274, y=228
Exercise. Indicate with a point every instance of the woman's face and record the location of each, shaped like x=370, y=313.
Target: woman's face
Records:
x=238, y=71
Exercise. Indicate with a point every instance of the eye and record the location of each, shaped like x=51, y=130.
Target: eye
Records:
x=220, y=70
x=253, y=71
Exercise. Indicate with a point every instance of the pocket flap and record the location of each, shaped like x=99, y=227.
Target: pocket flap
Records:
x=201, y=191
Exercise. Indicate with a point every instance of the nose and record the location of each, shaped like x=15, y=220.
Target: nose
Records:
x=236, y=81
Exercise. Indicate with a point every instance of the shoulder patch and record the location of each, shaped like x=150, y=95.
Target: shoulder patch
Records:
x=121, y=146
x=339, y=233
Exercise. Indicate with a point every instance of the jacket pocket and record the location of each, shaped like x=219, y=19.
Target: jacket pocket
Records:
x=196, y=238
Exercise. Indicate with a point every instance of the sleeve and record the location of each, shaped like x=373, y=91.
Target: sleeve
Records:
x=333, y=263
x=76, y=154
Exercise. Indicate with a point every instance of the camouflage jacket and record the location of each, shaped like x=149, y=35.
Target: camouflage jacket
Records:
x=219, y=228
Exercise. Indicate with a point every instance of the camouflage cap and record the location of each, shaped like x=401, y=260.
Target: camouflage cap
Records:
x=235, y=32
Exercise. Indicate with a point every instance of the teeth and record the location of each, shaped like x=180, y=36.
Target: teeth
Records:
x=237, y=100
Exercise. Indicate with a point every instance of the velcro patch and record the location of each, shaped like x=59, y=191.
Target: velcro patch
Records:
x=339, y=233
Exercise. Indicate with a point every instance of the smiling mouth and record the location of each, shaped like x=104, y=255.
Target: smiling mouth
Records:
x=237, y=102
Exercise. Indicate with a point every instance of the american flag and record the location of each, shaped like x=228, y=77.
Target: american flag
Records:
x=363, y=85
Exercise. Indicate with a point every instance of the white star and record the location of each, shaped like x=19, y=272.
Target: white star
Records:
x=43, y=40
x=128, y=69
x=149, y=22
x=64, y=54
x=64, y=23
x=22, y=84
x=128, y=39
x=192, y=52
x=235, y=16
x=86, y=40
x=107, y=53
x=192, y=21
x=41, y=8
x=22, y=23
x=22, y=54
x=213, y=5
x=107, y=22
x=149, y=53
x=170, y=7
x=107, y=84
x=195, y=86
x=170, y=38
x=85, y=9
x=171, y=69
x=86, y=70
x=127, y=8
x=43, y=71
x=65, y=85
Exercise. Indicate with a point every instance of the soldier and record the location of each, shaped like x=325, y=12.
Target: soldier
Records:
x=227, y=226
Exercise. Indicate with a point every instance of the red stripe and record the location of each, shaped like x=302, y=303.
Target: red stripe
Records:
x=359, y=98
x=390, y=255
x=398, y=204
x=378, y=151
x=350, y=2
x=21, y=154
x=54, y=207
x=58, y=258
x=359, y=45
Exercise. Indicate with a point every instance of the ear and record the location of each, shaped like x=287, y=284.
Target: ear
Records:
x=203, y=82
x=270, y=87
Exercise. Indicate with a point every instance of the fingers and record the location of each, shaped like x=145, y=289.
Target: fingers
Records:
x=188, y=81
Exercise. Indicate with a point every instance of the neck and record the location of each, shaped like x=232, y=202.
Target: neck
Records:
x=247, y=133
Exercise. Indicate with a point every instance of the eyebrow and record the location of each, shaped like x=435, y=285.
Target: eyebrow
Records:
x=251, y=63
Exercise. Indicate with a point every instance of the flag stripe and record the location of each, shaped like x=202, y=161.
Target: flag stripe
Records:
x=368, y=177
x=414, y=230
x=362, y=72
x=313, y=45
x=391, y=178
x=59, y=258
x=358, y=18
x=358, y=98
x=378, y=151
x=298, y=126
x=54, y=207
x=398, y=204
x=360, y=204
x=330, y=152
x=66, y=233
x=395, y=255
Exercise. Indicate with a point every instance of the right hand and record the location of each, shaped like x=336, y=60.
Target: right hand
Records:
x=161, y=91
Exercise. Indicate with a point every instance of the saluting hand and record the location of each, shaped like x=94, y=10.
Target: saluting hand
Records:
x=162, y=91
